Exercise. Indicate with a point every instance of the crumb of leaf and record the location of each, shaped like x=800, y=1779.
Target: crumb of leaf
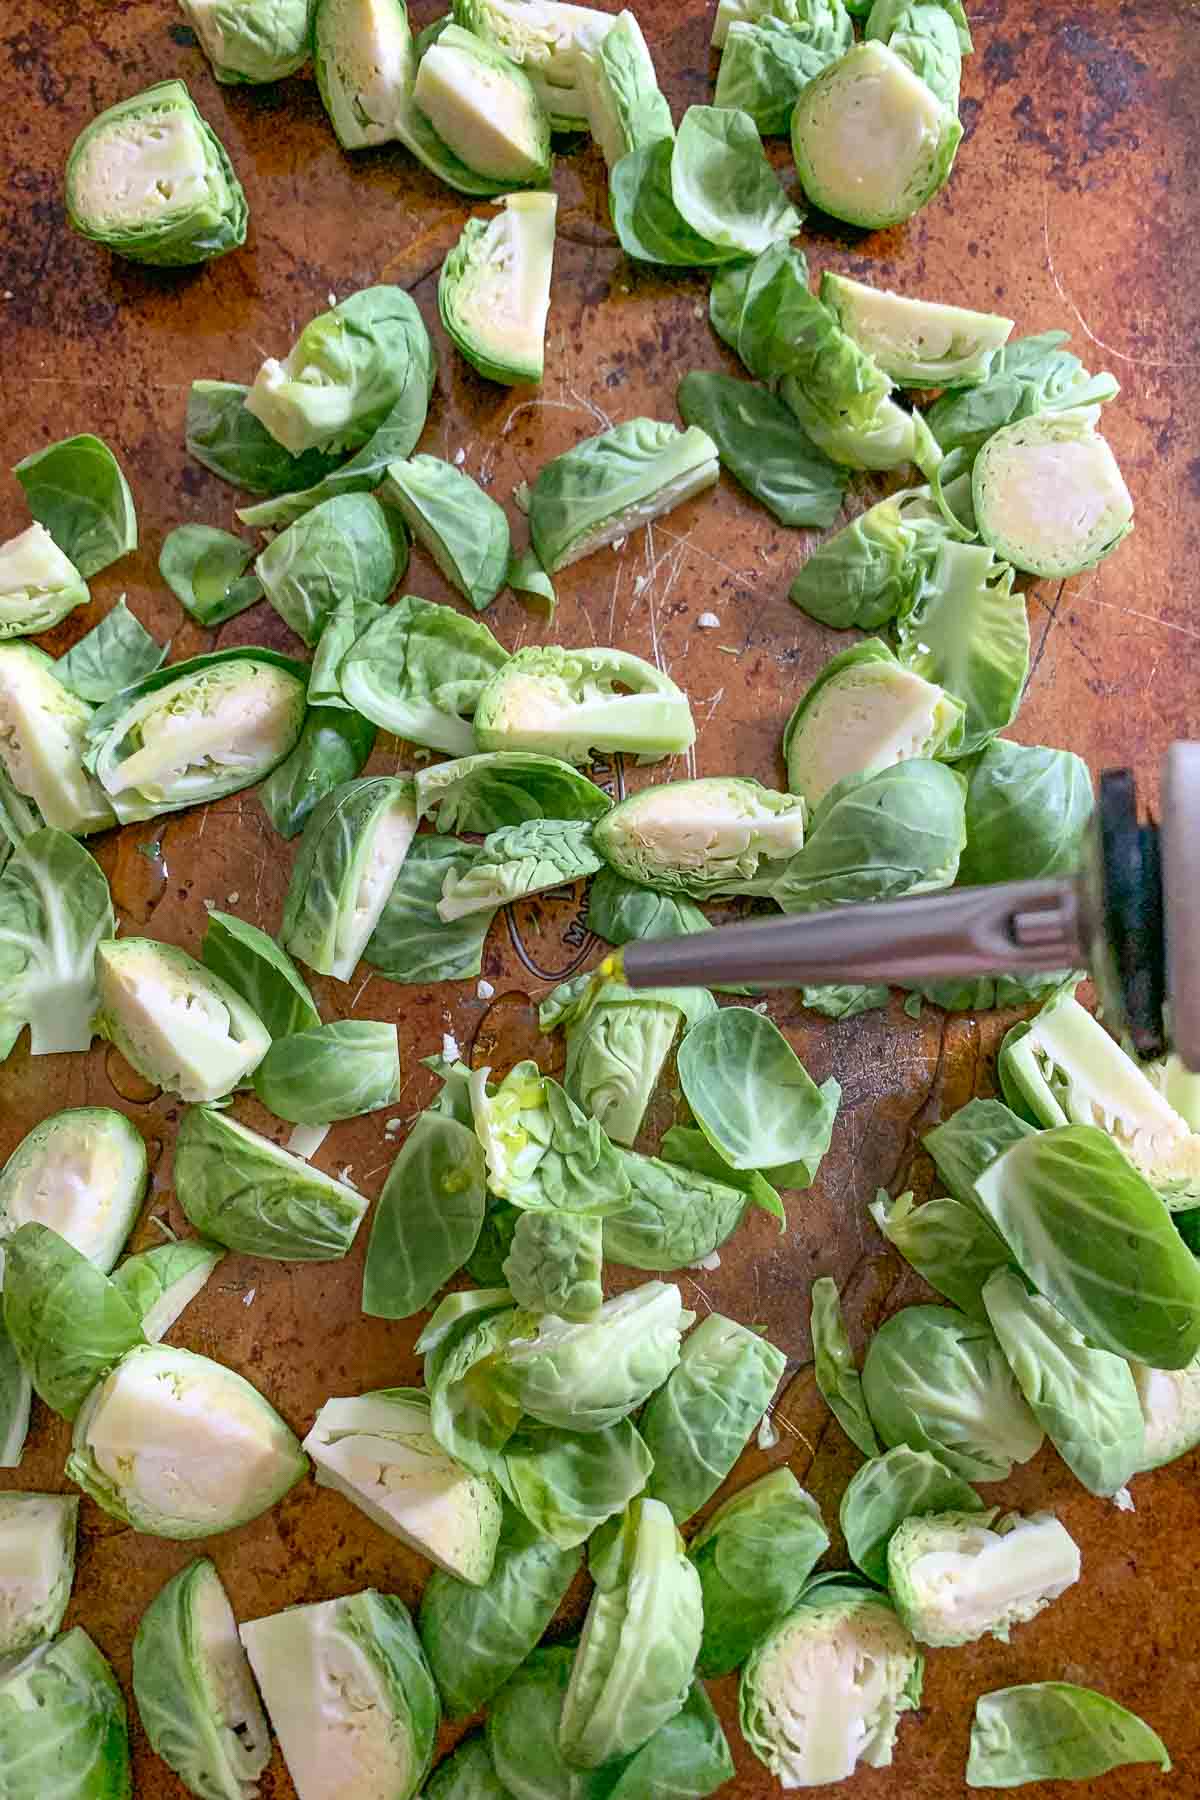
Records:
x=332, y=297
x=1123, y=1500
x=708, y=621
x=485, y=990
x=450, y=1049
x=248, y=1296
x=768, y=1437
x=232, y=899
x=460, y=457
x=345, y=1175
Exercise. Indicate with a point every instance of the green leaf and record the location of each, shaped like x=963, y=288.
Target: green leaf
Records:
x=690, y=1149
x=343, y=549
x=904, y=1484
x=467, y=1773
x=753, y=305
x=205, y=570
x=1052, y=1731
x=612, y=484
x=1027, y=376
x=646, y=219
x=553, y=1264
x=331, y=1072
x=969, y=632
x=243, y=1191
x=516, y=862
x=879, y=837
x=412, y=942
x=874, y=567
x=569, y=1482
x=967, y=1143
x=504, y=787
x=837, y=1376
x=54, y=910
x=1027, y=811
x=78, y=491
x=230, y=441
x=753, y=1098
x=263, y=974
x=522, y=1734
x=462, y=528
x=760, y=443
x=754, y=1555
x=950, y=1245
x=419, y=670
x=390, y=442
x=332, y=748
x=843, y=1001
x=68, y=1323
x=526, y=575
x=543, y=1155
x=685, y=1759
x=427, y=1220
x=353, y=848
x=723, y=185
x=765, y=64
x=114, y=654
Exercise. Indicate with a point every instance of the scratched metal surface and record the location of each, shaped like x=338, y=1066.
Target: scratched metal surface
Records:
x=1072, y=205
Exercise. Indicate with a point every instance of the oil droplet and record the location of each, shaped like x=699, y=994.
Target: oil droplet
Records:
x=509, y=1033
x=139, y=878
x=126, y=1080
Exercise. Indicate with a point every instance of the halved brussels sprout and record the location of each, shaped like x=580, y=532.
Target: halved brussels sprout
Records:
x=160, y=1283
x=194, y=1690
x=872, y=142
x=484, y=107
x=342, y=550
x=956, y=1577
x=572, y=703
x=920, y=343
x=494, y=289
x=721, y=834
x=464, y=530
x=38, y=584
x=180, y=1446
x=177, y=1023
x=37, y=1567
x=62, y=1724
x=353, y=846
x=613, y=484
x=548, y=40
x=625, y=106
x=260, y=40
x=1048, y=493
x=43, y=731
x=82, y=1172
x=150, y=180
x=364, y=64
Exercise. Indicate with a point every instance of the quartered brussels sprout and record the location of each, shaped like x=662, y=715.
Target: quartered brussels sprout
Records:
x=161, y=1282
x=919, y=343
x=872, y=141
x=178, y=1024
x=349, y=1694
x=43, y=733
x=380, y=1452
x=1053, y=1730
x=194, y=1690
x=38, y=584
x=548, y=40
x=484, y=108
x=494, y=288
x=364, y=64
x=83, y=1173
x=464, y=530
x=343, y=549
x=330, y=1072
x=62, y=1724
x=261, y=40
x=37, y=1567
x=955, y=1577
x=1170, y=1402
x=625, y=106
x=150, y=180
x=753, y=1556
x=54, y=909
x=1048, y=493
x=721, y=834
x=572, y=703
x=353, y=846
x=827, y=1688
x=612, y=484
x=66, y=1321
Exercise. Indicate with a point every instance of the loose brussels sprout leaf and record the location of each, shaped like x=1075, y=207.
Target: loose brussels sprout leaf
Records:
x=526, y=576
x=617, y=1046
x=266, y=978
x=37, y=1567
x=697, y=1424
x=612, y=484
x=484, y=108
x=522, y=1734
x=963, y=1146
x=332, y=748
x=953, y=1578
x=919, y=343
x=486, y=1262
x=18, y=818
x=224, y=437
x=675, y=1218
x=621, y=911
x=1097, y=1241
x=807, y=18
x=542, y=1153
x=193, y=1687
x=178, y=1024
x=724, y=187
x=253, y=43
x=38, y=584
x=753, y=1098
x=428, y=1218
x=331, y=1072
x=16, y=1398
x=783, y=330
x=494, y=289
x=115, y=654
x=759, y=307
x=349, y=1694
x=247, y=1193
x=54, y=910
x=865, y=713
x=504, y=787
x=753, y=1557
x=67, y=1322
x=342, y=549
x=472, y=1416
x=364, y=64
x=150, y=180
x=690, y=1149
x=625, y=107
x=633, y=1668
x=43, y=732
x=762, y=446
x=843, y=1001
x=344, y=624
x=767, y=62
x=1170, y=1402
x=873, y=568
x=1085, y=1398
x=466, y=1774
x=950, y=1245
x=936, y=1380
x=419, y=671
x=462, y=528
x=928, y=39
x=1048, y=493
x=181, y=1447
x=451, y=1319
x=573, y=703
x=584, y=1377
x=969, y=632
x=872, y=142
x=160, y=1283
x=826, y=1689
x=345, y=374
x=648, y=224
x=879, y=837
x=889, y=438
x=688, y=1756
x=411, y=942
x=77, y=490
x=353, y=847
x=838, y=1379
x=568, y=1482
x=62, y=1723
x=980, y=992
x=1028, y=376
x=518, y=861
x=475, y=1637
x=550, y=41
x=721, y=834
x=1053, y=1730
x=553, y=1264
x=379, y=1451
x=885, y=17
x=83, y=1173
x=904, y=1484
x=1027, y=811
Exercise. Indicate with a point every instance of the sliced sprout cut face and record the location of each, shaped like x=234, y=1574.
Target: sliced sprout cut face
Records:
x=494, y=289
x=43, y=731
x=919, y=343
x=572, y=703
x=956, y=1577
x=364, y=64
x=547, y=39
x=83, y=1173
x=866, y=717
x=1049, y=495
x=707, y=836
x=38, y=584
x=180, y=1025
x=484, y=108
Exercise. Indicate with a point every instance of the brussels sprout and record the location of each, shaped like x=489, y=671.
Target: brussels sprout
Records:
x=418, y=669
x=150, y=180
x=573, y=703
x=953, y=1578
x=872, y=142
x=115, y=654
x=379, y=1452
x=1028, y=376
x=875, y=567
x=549, y=40
x=969, y=632
x=518, y=861
x=83, y=1173
x=724, y=187
x=247, y=1193
x=344, y=375
x=428, y=1218
x=768, y=60
x=194, y=1691
x=1027, y=811
x=542, y=1153
x=863, y=713
x=475, y=1637
x=38, y=584
x=1170, y=1402
x=263, y=40
x=1053, y=1730
x=37, y=1567
x=342, y=548
x=363, y=62
x=697, y=1424
x=553, y=1264
x=494, y=289
x=903, y=1484
x=43, y=728
x=505, y=787
x=62, y=1724
x=411, y=942
x=54, y=909
x=180, y=1026
x=484, y=108
x=634, y=1664
x=676, y=1217
x=332, y=748
x=838, y=1380
x=16, y=1399
x=1048, y=493
x=349, y=1694
x=66, y=1321
x=625, y=106
x=826, y=1689
x=919, y=343
x=878, y=837
x=753, y=1098
x=610, y=485
x=721, y=834
x=335, y=1071
x=952, y=1246
x=969, y=1142
x=255, y=967
x=753, y=1557
x=160, y=1283
x=353, y=846
x=761, y=444
x=522, y=1734
x=463, y=529
x=181, y=1447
